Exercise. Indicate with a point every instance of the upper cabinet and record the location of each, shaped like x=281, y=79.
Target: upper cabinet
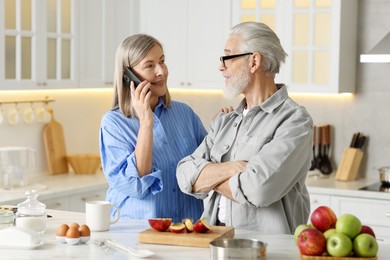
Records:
x=193, y=34
x=38, y=44
x=62, y=43
x=319, y=37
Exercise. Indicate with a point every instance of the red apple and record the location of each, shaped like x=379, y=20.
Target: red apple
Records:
x=367, y=230
x=201, y=226
x=177, y=228
x=160, y=224
x=323, y=218
x=311, y=242
x=188, y=224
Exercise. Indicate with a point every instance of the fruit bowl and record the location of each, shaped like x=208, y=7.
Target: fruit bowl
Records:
x=307, y=257
x=84, y=163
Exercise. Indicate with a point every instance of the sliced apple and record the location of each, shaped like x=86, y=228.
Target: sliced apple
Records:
x=177, y=228
x=188, y=224
x=201, y=226
x=160, y=224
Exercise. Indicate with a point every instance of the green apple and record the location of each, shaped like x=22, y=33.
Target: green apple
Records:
x=365, y=245
x=329, y=232
x=339, y=245
x=298, y=230
x=349, y=225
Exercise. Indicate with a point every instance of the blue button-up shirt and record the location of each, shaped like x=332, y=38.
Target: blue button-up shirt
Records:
x=177, y=132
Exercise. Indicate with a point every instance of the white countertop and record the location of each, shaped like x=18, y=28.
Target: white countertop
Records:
x=126, y=231
x=329, y=186
x=60, y=185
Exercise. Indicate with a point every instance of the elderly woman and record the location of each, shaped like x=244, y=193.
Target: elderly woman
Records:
x=145, y=134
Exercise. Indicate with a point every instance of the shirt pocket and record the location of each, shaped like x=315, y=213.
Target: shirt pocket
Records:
x=247, y=146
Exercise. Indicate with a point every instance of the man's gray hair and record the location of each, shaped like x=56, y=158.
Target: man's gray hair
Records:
x=258, y=37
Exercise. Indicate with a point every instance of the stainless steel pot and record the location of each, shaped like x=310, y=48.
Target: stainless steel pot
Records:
x=235, y=248
x=384, y=175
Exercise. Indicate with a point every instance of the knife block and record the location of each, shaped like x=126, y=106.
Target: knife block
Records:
x=349, y=164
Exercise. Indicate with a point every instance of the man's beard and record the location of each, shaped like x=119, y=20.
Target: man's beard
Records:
x=236, y=84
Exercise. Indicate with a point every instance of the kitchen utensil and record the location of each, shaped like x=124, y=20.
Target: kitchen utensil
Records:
x=53, y=137
x=314, y=161
x=193, y=239
x=318, y=158
x=112, y=244
x=235, y=248
x=384, y=175
x=326, y=164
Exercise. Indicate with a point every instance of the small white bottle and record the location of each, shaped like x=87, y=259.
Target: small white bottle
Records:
x=31, y=213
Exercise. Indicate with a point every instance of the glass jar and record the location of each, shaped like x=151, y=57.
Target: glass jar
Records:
x=31, y=213
x=6, y=218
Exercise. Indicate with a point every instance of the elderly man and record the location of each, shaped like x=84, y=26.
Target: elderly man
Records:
x=255, y=159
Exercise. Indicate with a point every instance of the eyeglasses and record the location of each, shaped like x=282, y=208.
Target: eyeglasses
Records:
x=228, y=57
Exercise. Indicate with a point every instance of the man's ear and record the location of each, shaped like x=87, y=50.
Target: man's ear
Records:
x=255, y=61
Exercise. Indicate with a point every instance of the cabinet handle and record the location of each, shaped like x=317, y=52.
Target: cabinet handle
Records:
x=387, y=214
x=189, y=84
x=181, y=83
x=96, y=196
x=54, y=205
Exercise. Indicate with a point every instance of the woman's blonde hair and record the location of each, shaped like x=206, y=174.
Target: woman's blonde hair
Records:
x=129, y=53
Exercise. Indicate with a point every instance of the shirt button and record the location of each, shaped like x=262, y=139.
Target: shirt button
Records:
x=226, y=147
x=235, y=124
x=173, y=190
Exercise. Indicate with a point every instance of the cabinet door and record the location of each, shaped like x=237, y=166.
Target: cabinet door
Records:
x=167, y=22
x=317, y=200
x=77, y=202
x=318, y=36
x=61, y=203
x=102, y=28
x=374, y=213
x=40, y=43
x=193, y=35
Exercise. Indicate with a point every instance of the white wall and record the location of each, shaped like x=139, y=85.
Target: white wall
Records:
x=367, y=111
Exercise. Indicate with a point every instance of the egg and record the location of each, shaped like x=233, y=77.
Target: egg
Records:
x=72, y=233
x=85, y=233
x=74, y=225
x=72, y=236
x=61, y=231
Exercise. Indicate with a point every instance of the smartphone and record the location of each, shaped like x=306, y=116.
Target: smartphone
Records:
x=129, y=76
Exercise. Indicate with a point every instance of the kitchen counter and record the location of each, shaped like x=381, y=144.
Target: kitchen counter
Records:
x=51, y=186
x=126, y=231
x=329, y=185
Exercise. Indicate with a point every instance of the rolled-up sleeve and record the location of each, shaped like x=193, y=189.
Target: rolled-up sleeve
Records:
x=119, y=165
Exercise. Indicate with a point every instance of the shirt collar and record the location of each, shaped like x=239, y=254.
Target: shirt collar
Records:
x=159, y=107
x=270, y=104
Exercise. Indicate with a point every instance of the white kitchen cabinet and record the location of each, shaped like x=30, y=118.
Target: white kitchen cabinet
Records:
x=193, y=34
x=104, y=24
x=60, y=203
x=319, y=37
x=62, y=43
x=317, y=200
x=77, y=202
x=372, y=212
x=38, y=44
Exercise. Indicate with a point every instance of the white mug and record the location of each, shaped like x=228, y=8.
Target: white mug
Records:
x=97, y=214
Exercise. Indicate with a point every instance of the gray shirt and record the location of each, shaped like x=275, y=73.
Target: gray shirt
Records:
x=275, y=138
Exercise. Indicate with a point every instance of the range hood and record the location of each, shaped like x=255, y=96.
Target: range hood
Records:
x=380, y=53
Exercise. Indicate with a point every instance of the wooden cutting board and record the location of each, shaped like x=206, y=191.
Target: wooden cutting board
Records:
x=193, y=239
x=306, y=257
x=53, y=138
